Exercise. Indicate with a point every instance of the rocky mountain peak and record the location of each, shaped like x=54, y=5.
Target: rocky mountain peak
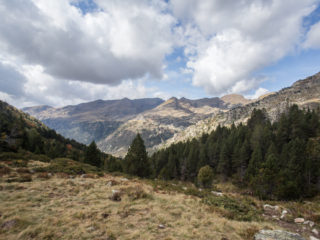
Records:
x=235, y=99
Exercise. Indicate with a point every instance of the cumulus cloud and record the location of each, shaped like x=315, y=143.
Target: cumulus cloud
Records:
x=53, y=52
x=258, y=93
x=239, y=38
x=313, y=37
x=36, y=87
x=121, y=40
x=11, y=81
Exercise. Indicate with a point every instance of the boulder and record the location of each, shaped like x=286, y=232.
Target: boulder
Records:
x=161, y=226
x=270, y=207
x=313, y=238
x=276, y=235
x=116, y=195
x=315, y=231
x=299, y=220
x=283, y=214
x=219, y=194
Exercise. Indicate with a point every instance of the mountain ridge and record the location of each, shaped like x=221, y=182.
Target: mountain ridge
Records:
x=162, y=123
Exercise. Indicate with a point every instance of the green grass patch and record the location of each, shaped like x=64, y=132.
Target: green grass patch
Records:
x=235, y=209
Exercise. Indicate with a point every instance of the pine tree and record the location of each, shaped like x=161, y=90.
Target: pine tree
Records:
x=92, y=155
x=136, y=160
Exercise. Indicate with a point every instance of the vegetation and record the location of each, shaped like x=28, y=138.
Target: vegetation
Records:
x=23, y=137
x=278, y=160
x=205, y=176
x=136, y=161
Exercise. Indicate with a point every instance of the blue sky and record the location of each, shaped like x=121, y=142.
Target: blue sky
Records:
x=70, y=51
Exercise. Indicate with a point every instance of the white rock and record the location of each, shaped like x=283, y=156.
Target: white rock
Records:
x=283, y=214
x=124, y=179
x=299, y=220
x=109, y=184
x=314, y=238
x=161, y=226
x=311, y=224
x=219, y=194
x=185, y=188
x=268, y=206
x=315, y=231
x=306, y=222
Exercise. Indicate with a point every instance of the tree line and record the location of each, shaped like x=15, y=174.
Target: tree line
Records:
x=279, y=160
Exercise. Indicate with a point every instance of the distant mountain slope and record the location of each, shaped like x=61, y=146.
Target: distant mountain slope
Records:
x=305, y=93
x=161, y=123
x=93, y=120
x=113, y=124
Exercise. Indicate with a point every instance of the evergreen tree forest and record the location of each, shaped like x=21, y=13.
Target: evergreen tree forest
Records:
x=23, y=134
x=279, y=160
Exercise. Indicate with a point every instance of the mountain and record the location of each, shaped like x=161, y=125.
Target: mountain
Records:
x=305, y=93
x=235, y=99
x=93, y=120
x=114, y=123
x=161, y=123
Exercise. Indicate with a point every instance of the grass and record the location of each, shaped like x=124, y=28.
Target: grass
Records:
x=67, y=206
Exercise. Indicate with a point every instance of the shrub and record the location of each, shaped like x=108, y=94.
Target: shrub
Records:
x=4, y=170
x=135, y=193
x=7, y=156
x=23, y=170
x=68, y=166
x=43, y=175
x=205, y=176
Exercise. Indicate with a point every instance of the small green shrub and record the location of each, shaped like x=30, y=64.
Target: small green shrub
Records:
x=205, y=176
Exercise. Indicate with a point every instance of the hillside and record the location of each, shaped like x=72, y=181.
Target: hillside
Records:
x=58, y=205
x=24, y=135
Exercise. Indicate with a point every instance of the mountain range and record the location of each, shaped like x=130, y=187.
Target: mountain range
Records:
x=114, y=123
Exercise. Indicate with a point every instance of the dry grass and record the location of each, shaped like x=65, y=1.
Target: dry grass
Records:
x=80, y=208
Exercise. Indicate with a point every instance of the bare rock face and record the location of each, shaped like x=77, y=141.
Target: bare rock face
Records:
x=276, y=235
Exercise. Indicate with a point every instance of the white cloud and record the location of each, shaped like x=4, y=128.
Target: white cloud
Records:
x=258, y=93
x=41, y=88
x=313, y=37
x=125, y=40
x=235, y=39
x=53, y=53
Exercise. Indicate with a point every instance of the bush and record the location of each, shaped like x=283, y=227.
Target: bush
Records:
x=68, y=166
x=4, y=170
x=135, y=193
x=205, y=176
x=7, y=156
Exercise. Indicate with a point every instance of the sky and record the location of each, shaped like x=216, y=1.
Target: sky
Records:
x=63, y=52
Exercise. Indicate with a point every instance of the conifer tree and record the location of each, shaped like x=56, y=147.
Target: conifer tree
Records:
x=136, y=160
x=92, y=155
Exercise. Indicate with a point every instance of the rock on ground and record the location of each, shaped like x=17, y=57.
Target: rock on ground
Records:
x=276, y=235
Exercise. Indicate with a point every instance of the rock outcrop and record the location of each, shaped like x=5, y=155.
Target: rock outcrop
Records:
x=277, y=235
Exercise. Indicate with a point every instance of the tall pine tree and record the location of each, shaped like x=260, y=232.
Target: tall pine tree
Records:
x=136, y=160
